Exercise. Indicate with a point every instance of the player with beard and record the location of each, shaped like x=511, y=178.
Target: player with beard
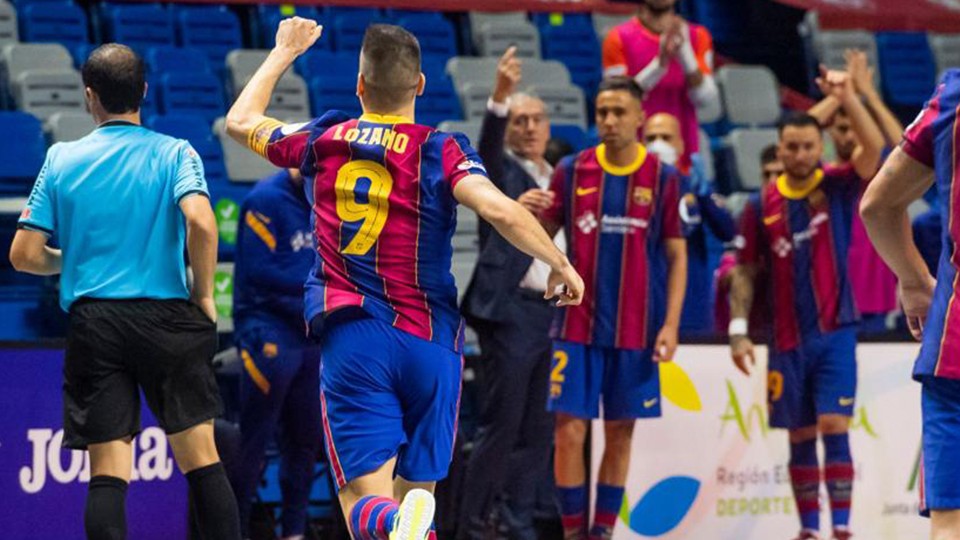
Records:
x=797, y=233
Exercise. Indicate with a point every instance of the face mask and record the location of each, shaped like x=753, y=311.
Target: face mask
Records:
x=664, y=151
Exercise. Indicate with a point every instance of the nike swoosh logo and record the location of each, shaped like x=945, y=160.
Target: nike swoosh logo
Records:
x=586, y=191
x=846, y=402
x=771, y=219
x=647, y=404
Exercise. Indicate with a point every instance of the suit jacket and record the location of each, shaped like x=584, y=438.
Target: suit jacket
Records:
x=500, y=266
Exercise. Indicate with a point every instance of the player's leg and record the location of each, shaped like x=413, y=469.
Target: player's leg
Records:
x=264, y=382
x=835, y=386
x=791, y=405
x=939, y=488
x=574, y=396
x=364, y=422
x=300, y=437
x=631, y=390
x=175, y=342
x=101, y=413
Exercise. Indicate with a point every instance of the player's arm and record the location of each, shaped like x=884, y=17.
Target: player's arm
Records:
x=30, y=253
x=824, y=110
x=742, y=279
x=201, y=225
x=269, y=268
x=861, y=72
x=866, y=158
x=521, y=229
x=667, y=339
x=247, y=117
x=696, y=57
x=901, y=181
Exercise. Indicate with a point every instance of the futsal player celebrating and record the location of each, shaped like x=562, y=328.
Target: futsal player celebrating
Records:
x=620, y=209
x=381, y=296
x=928, y=154
x=797, y=231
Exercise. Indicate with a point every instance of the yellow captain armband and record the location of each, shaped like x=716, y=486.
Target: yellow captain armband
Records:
x=259, y=136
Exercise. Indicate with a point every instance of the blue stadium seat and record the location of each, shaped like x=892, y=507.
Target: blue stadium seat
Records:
x=349, y=27
x=20, y=163
x=440, y=103
x=214, y=30
x=166, y=59
x=575, y=136
x=578, y=49
x=199, y=94
x=334, y=91
x=80, y=52
x=331, y=12
x=566, y=20
x=907, y=67
x=436, y=36
x=397, y=14
x=271, y=15
x=138, y=26
x=319, y=62
x=434, y=67
x=63, y=22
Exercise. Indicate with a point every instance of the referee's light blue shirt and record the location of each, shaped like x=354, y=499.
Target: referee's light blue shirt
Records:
x=112, y=200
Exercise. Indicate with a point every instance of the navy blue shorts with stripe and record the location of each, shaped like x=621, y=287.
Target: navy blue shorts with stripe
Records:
x=627, y=381
x=940, y=478
x=817, y=378
x=386, y=393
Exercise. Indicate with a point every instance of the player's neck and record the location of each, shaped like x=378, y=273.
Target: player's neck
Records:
x=654, y=22
x=623, y=156
x=408, y=112
x=132, y=118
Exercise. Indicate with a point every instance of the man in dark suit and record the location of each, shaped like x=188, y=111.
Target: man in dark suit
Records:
x=504, y=303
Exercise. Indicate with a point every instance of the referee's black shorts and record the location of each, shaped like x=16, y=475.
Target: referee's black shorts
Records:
x=165, y=347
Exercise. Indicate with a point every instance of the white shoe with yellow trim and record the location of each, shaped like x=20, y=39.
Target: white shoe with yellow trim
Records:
x=415, y=516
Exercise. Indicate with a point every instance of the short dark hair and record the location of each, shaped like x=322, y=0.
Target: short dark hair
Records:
x=116, y=74
x=390, y=65
x=621, y=84
x=769, y=154
x=799, y=120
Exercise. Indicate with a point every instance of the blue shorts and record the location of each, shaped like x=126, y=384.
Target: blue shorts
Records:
x=628, y=380
x=940, y=475
x=386, y=393
x=819, y=377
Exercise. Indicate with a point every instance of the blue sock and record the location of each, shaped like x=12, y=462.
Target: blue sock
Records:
x=573, y=508
x=838, y=474
x=608, y=503
x=372, y=518
x=805, y=478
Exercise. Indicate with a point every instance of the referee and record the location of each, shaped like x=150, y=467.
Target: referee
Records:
x=121, y=202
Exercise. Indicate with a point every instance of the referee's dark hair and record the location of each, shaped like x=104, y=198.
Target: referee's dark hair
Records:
x=621, y=84
x=390, y=65
x=116, y=74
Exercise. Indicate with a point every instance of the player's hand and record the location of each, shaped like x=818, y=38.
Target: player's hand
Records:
x=509, y=73
x=666, y=344
x=916, y=300
x=671, y=40
x=741, y=350
x=207, y=305
x=836, y=83
x=567, y=279
x=860, y=70
x=296, y=34
x=536, y=200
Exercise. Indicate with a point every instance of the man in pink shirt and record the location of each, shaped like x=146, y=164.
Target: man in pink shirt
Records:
x=671, y=59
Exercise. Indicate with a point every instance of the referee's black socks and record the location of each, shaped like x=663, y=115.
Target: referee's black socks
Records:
x=106, y=515
x=216, y=506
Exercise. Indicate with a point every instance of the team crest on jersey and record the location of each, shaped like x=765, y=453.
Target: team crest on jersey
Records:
x=642, y=195
x=817, y=198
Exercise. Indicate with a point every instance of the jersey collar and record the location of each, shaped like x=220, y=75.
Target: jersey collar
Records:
x=805, y=189
x=112, y=123
x=385, y=119
x=625, y=170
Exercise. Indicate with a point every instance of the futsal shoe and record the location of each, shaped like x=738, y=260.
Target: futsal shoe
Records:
x=842, y=534
x=415, y=516
x=807, y=534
